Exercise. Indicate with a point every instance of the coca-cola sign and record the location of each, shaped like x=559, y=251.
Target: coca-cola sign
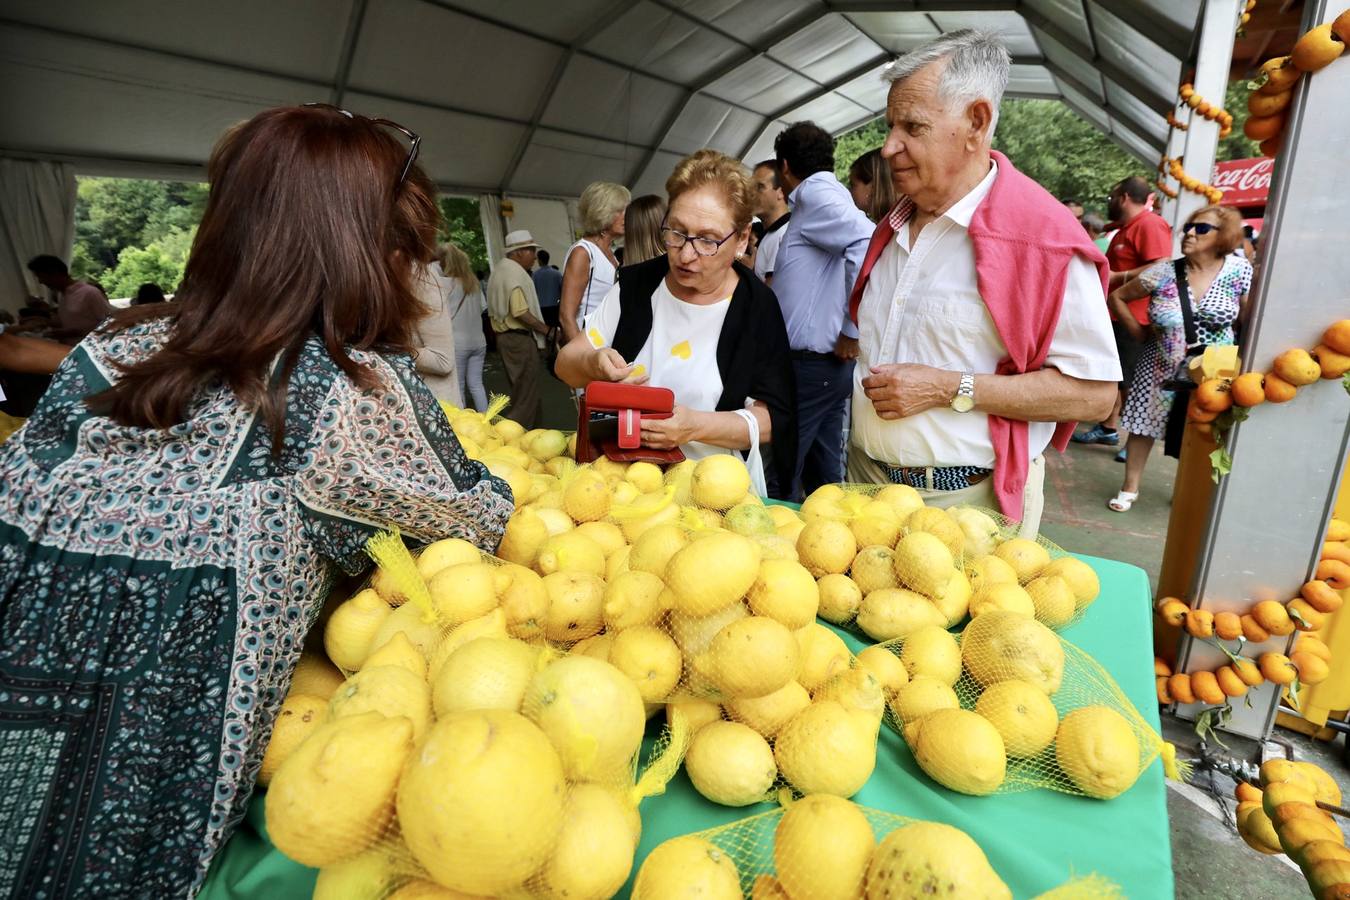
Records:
x=1244, y=182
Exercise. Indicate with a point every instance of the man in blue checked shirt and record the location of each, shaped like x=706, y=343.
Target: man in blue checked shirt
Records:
x=817, y=263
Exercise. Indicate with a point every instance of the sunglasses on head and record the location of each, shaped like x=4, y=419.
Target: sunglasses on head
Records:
x=1199, y=227
x=415, y=139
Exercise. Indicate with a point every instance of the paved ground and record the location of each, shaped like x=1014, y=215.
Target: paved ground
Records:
x=1210, y=861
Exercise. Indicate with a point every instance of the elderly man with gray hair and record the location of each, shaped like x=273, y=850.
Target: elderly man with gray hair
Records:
x=983, y=332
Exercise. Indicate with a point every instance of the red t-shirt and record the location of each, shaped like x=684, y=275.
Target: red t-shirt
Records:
x=1143, y=239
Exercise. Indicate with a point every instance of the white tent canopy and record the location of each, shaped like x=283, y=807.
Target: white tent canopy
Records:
x=541, y=97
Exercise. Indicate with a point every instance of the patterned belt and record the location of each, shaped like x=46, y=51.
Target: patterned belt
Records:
x=944, y=478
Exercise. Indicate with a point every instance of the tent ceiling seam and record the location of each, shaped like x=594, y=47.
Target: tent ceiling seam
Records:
x=348, y=55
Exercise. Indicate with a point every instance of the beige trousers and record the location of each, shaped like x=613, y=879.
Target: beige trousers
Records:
x=863, y=469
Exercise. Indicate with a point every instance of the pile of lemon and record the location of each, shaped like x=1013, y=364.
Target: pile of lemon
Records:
x=531, y=462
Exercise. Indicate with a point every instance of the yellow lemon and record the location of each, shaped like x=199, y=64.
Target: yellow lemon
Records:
x=1080, y=577
x=644, y=476
x=443, y=554
x=548, y=445
x=371, y=875
x=314, y=674
x=731, y=764
x=687, y=866
x=923, y=563
x=617, y=563
x=955, y=601
x=822, y=654
x=298, y=718
x=933, y=651
x=695, y=633
x=771, y=712
x=571, y=552
x=825, y=749
x=775, y=546
x=695, y=711
x=649, y=657
x=592, y=713
x=940, y=524
x=1023, y=715
x=652, y=551
x=398, y=651
x=516, y=478
x=334, y=795
x=421, y=628
x=824, y=502
x=821, y=848
x=481, y=801
x=712, y=573
x=1053, y=599
x=555, y=520
x=980, y=529
x=1001, y=646
x=750, y=657
x=929, y=859
x=840, y=598
x=719, y=481
x=921, y=696
x=586, y=497
x=876, y=523
x=492, y=624
x=1096, y=747
x=785, y=591
x=826, y=546
x=1026, y=557
x=485, y=673
x=766, y=887
x=594, y=852
x=959, y=750
x=873, y=569
x=989, y=570
x=782, y=515
x=892, y=613
x=1006, y=597
x=463, y=592
x=885, y=667
x=606, y=535
x=575, y=606
x=525, y=534
x=523, y=600
x=633, y=598
x=749, y=519
x=351, y=629
x=680, y=477
x=388, y=690
x=855, y=690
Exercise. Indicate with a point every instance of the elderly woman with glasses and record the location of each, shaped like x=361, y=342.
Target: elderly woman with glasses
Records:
x=697, y=322
x=1215, y=288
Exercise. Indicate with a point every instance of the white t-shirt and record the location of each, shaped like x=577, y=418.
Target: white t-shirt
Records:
x=767, y=254
x=598, y=282
x=923, y=305
x=680, y=352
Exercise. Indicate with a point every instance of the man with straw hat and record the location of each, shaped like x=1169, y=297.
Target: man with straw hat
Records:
x=513, y=308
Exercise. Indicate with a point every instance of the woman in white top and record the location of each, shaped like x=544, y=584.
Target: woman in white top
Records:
x=589, y=272
x=694, y=321
x=434, y=355
x=466, y=305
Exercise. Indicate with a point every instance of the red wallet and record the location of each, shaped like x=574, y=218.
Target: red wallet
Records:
x=610, y=422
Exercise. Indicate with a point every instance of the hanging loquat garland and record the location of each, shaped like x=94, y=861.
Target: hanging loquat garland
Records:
x=1268, y=104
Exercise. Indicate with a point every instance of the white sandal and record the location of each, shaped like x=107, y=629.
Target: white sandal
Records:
x=1122, y=501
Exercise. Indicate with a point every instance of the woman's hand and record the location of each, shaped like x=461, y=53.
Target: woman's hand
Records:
x=606, y=364
x=666, y=434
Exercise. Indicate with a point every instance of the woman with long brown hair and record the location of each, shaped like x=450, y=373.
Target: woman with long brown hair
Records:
x=869, y=183
x=174, y=512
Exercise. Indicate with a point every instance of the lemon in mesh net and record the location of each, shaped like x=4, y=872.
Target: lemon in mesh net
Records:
x=695, y=633
x=712, y=573
x=633, y=598
x=826, y=749
x=999, y=646
x=645, y=476
x=387, y=690
x=321, y=814
x=593, y=714
x=523, y=601
x=1080, y=577
x=1001, y=596
x=351, y=629
x=731, y=764
x=902, y=498
x=685, y=867
x=695, y=711
x=929, y=859
x=443, y=554
x=1053, y=600
x=821, y=848
x=979, y=528
x=463, y=592
x=719, y=481
x=576, y=602
x=766, y=887
x=954, y=603
x=768, y=714
x=606, y=535
x=826, y=546
x=374, y=873
x=650, y=658
x=987, y=570
x=749, y=519
x=785, y=591
x=822, y=655
x=571, y=551
x=1022, y=713
x=920, y=696
x=840, y=598
x=776, y=546
x=891, y=613
x=876, y=523
x=315, y=674
x=750, y=657
x=399, y=651
x=924, y=563
x=856, y=690
x=491, y=625
x=594, y=850
x=1026, y=557
x=481, y=801
x=959, y=749
x=885, y=667
x=1096, y=747
x=940, y=524
x=299, y=717
x=486, y=673
x=652, y=551
x=932, y=651
x=873, y=569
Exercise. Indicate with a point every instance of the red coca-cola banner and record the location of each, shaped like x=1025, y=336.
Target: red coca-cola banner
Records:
x=1244, y=182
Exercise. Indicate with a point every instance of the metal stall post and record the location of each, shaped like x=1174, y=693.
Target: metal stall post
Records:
x=1269, y=515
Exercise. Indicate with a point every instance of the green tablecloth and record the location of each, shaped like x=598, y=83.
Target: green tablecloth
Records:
x=1035, y=839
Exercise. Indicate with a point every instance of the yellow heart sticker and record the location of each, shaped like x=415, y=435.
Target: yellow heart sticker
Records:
x=681, y=350
x=596, y=340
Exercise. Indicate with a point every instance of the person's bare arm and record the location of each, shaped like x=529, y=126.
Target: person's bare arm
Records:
x=576, y=272
x=529, y=321
x=1117, y=302
x=720, y=429
x=1120, y=278
x=32, y=356
x=1048, y=395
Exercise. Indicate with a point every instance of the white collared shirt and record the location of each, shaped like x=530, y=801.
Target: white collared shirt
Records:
x=922, y=304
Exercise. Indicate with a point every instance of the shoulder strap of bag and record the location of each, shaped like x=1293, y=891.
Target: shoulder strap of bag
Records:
x=1184, y=296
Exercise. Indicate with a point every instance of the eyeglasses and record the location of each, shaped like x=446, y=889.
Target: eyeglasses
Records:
x=675, y=240
x=1200, y=228
x=415, y=139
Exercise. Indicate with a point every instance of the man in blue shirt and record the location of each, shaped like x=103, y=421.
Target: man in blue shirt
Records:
x=818, y=261
x=548, y=285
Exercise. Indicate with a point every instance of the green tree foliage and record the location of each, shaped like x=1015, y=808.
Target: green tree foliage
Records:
x=1237, y=145
x=853, y=144
x=112, y=214
x=463, y=228
x=161, y=262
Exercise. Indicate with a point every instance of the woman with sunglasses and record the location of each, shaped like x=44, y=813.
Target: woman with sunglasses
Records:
x=1218, y=282
x=174, y=513
x=697, y=322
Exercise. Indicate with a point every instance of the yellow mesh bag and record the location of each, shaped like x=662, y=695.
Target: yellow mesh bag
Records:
x=8, y=425
x=823, y=847
x=1008, y=706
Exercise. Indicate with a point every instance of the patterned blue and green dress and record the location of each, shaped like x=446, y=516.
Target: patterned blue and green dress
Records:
x=155, y=589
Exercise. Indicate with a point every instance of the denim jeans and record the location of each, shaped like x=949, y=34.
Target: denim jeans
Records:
x=824, y=386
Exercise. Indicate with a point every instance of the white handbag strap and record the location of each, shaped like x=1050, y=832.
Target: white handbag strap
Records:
x=754, y=460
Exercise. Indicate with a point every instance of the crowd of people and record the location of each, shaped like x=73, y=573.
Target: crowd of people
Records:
x=940, y=322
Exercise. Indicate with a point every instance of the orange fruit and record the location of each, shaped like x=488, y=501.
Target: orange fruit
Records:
x=1277, y=668
x=1314, y=852
x=1312, y=620
x=1300, y=832
x=1333, y=364
x=1172, y=611
x=1197, y=413
x=1336, y=550
x=1337, y=336
x=1322, y=596
x=1278, y=793
x=1335, y=573
x=1161, y=668
x=1164, y=695
x=1259, y=104
x=1252, y=631
x=1229, y=682
x=1338, y=530
x=1247, y=792
x=1281, y=75
x=1248, y=671
x=1249, y=388
x=1199, y=623
x=1228, y=625
x=1273, y=617
x=1297, y=367
x=1179, y=686
x=1316, y=49
x=1271, y=146
x=1340, y=26
x=1206, y=688
x=1263, y=128
x=1309, y=644
x=1289, y=812
x=1312, y=669
x=1278, y=390
x=1260, y=831
x=1212, y=395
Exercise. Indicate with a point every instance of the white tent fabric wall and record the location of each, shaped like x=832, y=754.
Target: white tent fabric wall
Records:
x=37, y=215
x=548, y=221
x=490, y=214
